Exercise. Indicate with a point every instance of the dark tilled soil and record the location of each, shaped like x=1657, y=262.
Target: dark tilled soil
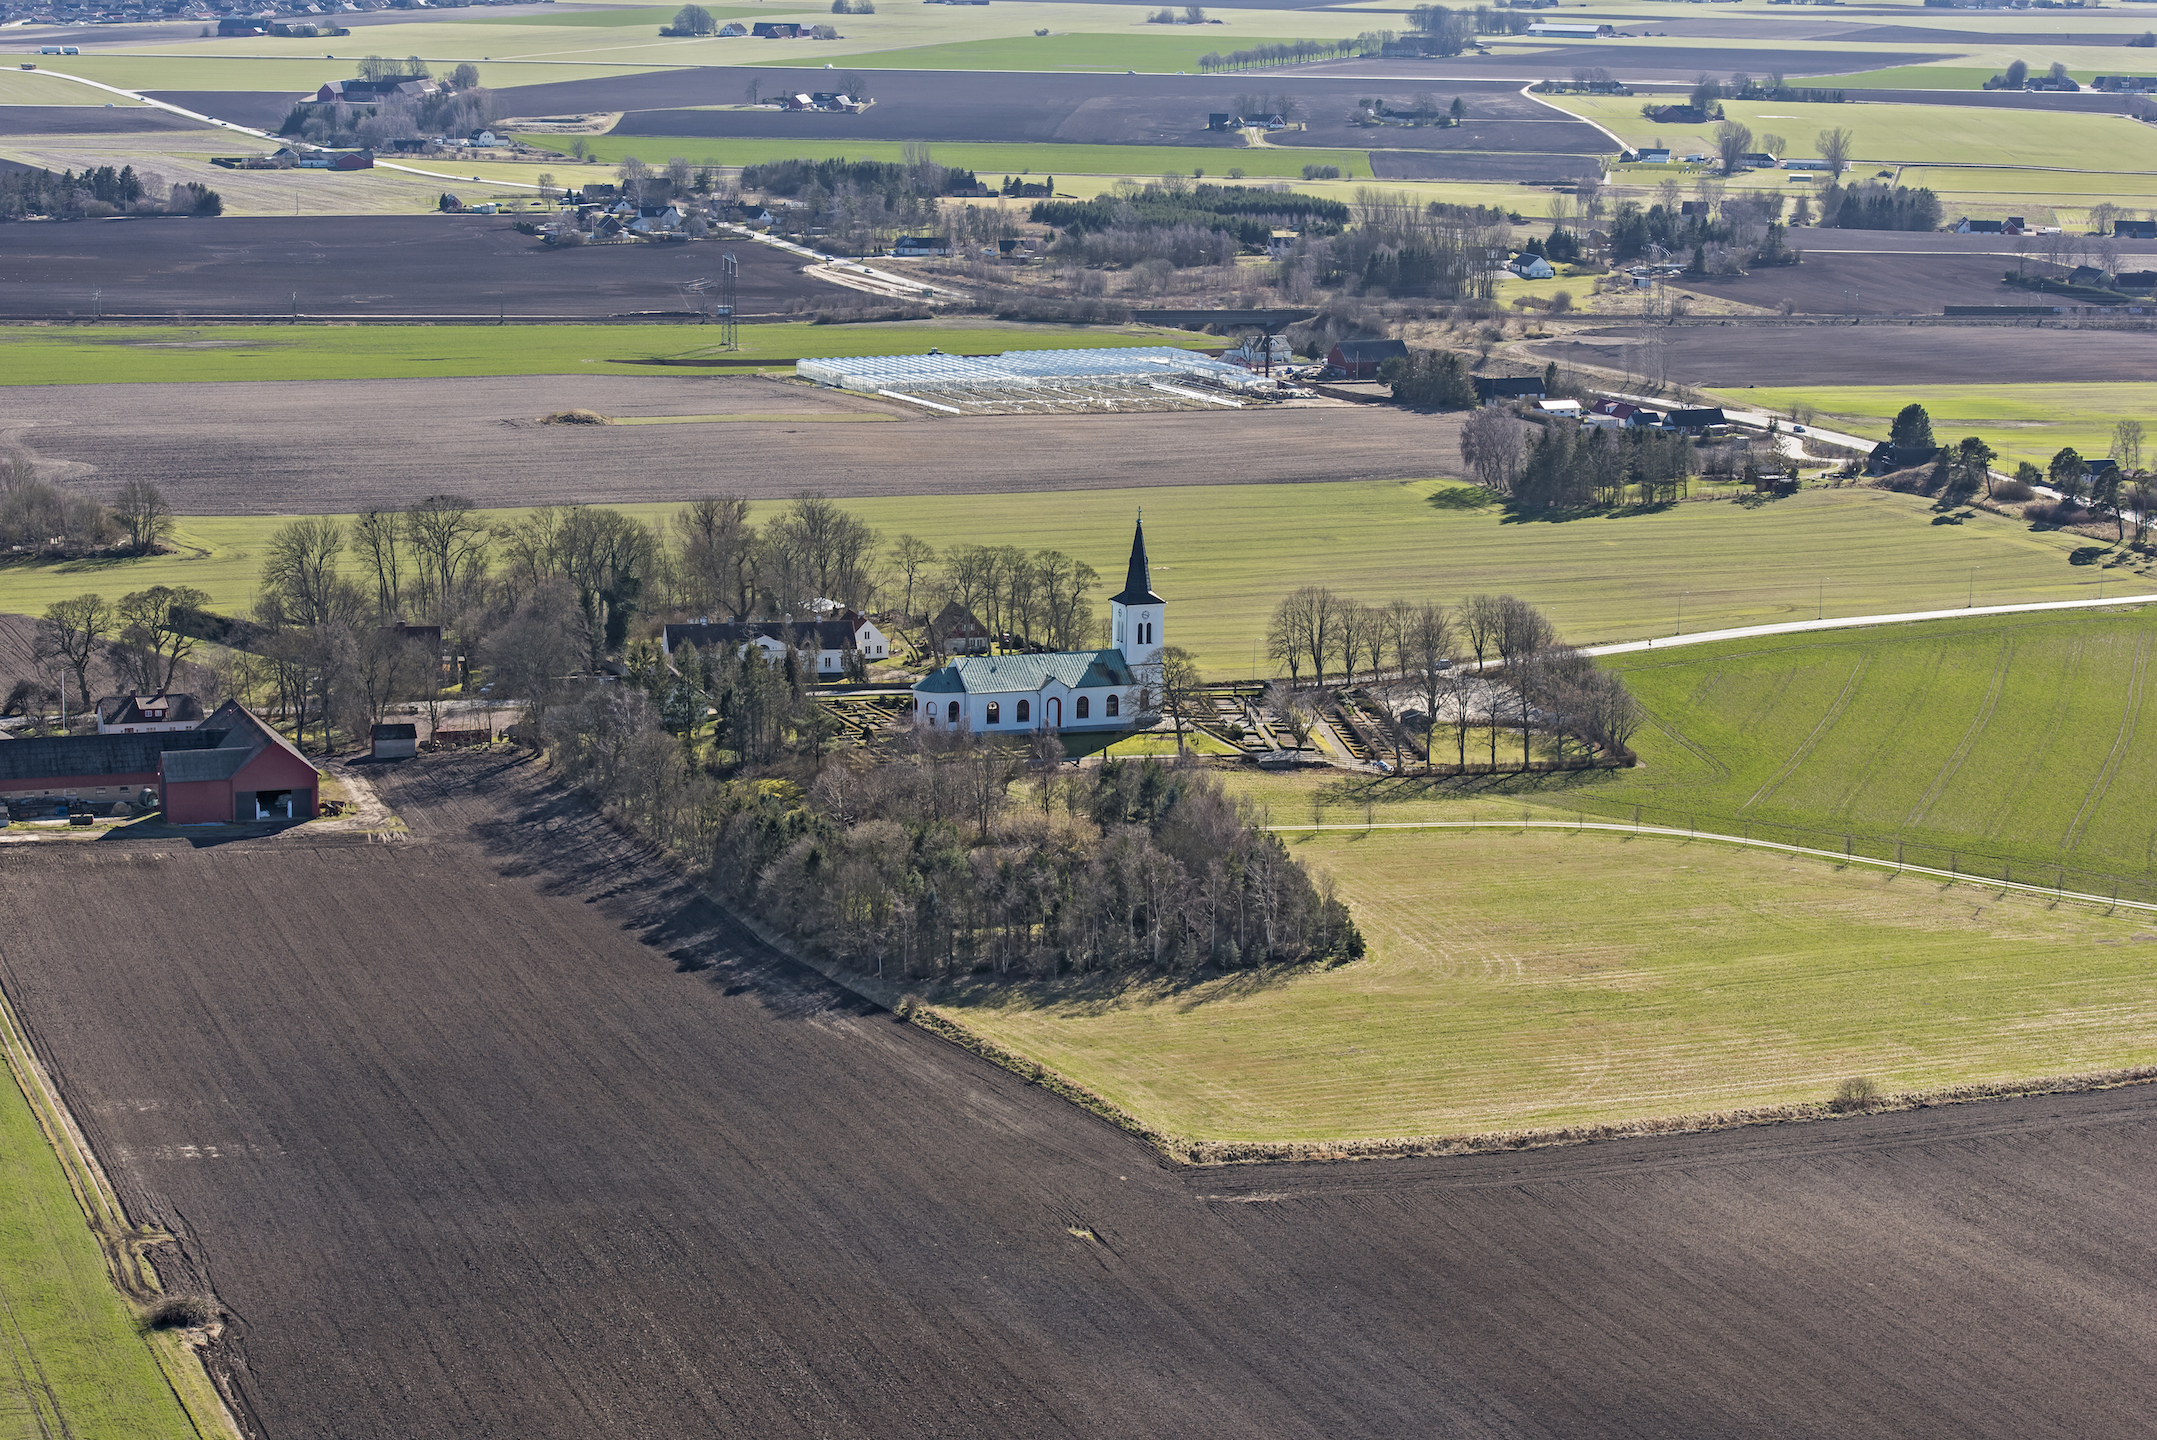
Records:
x=1874, y=354
x=90, y=120
x=1471, y=165
x=423, y=265
x=501, y=1133
x=1640, y=59
x=263, y=109
x=957, y=106
x=347, y=444
x=1853, y=283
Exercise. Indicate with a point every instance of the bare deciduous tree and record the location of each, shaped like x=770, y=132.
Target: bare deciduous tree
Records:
x=142, y=512
x=71, y=634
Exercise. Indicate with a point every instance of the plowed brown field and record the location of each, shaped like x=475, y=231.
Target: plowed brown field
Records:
x=335, y=446
x=504, y=1133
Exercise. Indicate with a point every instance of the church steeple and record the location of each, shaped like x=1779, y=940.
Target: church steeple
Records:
x=1135, y=613
x=1138, y=580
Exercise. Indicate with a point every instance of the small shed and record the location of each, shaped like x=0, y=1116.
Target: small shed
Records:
x=395, y=742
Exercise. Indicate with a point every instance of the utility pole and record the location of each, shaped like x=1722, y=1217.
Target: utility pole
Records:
x=729, y=293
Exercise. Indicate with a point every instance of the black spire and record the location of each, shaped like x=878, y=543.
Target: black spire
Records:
x=1138, y=581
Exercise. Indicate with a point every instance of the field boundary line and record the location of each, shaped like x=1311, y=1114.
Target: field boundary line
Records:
x=119, y=1238
x=1978, y=722
x=1620, y=827
x=1855, y=622
x=2109, y=771
x=1812, y=742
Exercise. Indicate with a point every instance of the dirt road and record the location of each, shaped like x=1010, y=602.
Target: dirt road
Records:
x=502, y=1133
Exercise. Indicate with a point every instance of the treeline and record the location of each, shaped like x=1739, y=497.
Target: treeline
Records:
x=1247, y=217
x=1566, y=467
x=1421, y=648
x=889, y=178
x=1438, y=30
x=963, y=857
x=1430, y=380
x=100, y=192
x=43, y=521
x=1875, y=205
x=143, y=640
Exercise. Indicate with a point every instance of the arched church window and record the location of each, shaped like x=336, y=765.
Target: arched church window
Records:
x=1023, y=716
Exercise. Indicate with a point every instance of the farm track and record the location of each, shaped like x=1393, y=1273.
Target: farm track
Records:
x=507, y=1132
x=356, y=447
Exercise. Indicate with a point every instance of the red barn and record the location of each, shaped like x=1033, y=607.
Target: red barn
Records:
x=250, y=773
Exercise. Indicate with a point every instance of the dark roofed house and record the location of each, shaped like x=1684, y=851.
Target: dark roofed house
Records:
x=1695, y=422
x=833, y=642
x=1886, y=458
x=1360, y=359
x=2135, y=229
x=2089, y=275
x=1491, y=389
x=147, y=714
x=955, y=631
x=2135, y=280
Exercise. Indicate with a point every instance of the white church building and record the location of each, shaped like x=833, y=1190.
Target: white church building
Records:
x=1066, y=690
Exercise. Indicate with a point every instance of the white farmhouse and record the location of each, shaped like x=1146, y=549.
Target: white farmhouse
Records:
x=1108, y=689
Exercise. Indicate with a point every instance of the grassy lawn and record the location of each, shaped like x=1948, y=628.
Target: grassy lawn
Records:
x=75, y=1361
x=1907, y=134
x=1542, y=978
x=2022, y=422
x=987, y=160
x=1225, y=555
x=83, y=355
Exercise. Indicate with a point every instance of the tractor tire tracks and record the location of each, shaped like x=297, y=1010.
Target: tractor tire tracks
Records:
x=1978, y=723
x=2111, y=768
x=1804, y=751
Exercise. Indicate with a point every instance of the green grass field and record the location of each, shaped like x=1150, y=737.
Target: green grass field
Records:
x=92, y=355
x=1908, y=134
x=1969, y=77
x=298, y=70
x=987, y=160
x=2028, y=738
x=1535, y=979
x=73, y=1361
x=1224, y=555
x=2022, y=422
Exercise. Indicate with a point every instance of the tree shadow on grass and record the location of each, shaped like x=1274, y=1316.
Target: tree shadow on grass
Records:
x=1528, y=515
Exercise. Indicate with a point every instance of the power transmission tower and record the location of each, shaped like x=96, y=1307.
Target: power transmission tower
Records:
x=729, y=286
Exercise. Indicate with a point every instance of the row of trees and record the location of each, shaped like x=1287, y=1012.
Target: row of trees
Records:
x=1422, y=647
x=144, y=639
x=962, y=857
